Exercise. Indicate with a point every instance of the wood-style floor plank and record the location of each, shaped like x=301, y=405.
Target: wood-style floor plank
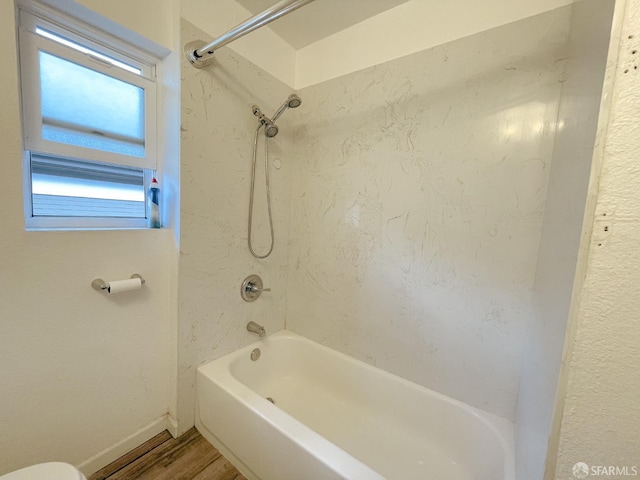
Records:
x=131, y=456
x=189, y=457
x=221, y=469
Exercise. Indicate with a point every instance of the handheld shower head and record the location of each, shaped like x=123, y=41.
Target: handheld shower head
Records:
x=294, y=101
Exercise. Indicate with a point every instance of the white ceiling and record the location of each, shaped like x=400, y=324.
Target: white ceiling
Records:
x=319, y=18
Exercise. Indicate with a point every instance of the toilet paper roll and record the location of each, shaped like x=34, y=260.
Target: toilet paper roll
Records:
x=120, y=286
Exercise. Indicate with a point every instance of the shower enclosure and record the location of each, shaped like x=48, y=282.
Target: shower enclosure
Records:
x=411, y=201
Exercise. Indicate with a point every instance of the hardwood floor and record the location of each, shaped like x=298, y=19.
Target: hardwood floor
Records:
x=189, y=457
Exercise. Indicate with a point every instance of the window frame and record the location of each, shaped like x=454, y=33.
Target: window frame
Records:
x=76, y=223
x=34, y=16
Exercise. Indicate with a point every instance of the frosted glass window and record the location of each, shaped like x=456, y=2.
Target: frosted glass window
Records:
x=86, y=108
x=89, y=125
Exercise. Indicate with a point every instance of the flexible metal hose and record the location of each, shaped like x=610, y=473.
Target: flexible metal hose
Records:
x=253, y=181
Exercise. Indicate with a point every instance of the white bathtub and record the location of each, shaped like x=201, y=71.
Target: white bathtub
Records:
x=335, y=417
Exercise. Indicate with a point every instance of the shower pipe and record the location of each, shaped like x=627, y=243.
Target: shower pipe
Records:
x=200, y=54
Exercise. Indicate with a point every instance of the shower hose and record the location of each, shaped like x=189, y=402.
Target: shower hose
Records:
x=253, y=181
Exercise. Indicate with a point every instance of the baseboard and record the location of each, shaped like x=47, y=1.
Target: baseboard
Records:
x=114, y=452
x=172, y=426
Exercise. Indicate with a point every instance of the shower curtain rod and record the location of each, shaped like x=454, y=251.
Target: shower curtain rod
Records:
x=200, y=54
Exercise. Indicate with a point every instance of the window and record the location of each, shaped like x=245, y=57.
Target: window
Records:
x=62, y=188
x=89, y=118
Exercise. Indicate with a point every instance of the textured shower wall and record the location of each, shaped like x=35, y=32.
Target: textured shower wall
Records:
x=417, y=201
x=217, y=135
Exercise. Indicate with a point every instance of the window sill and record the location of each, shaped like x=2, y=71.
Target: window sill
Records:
x=84, y=223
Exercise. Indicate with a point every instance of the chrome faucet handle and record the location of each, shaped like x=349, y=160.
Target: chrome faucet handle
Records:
x=257, y=288
x=251, y=288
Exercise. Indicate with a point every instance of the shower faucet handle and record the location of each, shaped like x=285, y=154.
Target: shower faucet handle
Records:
x=252, y=288
x=256, y=288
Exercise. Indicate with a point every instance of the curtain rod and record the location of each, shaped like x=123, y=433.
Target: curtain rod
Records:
x=200, y=54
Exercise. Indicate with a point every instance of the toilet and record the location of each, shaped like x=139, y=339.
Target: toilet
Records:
x=46, y=471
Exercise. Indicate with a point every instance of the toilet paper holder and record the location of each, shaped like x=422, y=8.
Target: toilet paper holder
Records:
x=100, y=285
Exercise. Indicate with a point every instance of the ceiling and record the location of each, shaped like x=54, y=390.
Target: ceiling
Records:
x=320, y=18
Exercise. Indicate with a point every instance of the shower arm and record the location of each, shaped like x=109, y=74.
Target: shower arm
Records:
x=200, y=54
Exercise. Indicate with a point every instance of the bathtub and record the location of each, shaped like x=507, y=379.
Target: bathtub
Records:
x=334, y=417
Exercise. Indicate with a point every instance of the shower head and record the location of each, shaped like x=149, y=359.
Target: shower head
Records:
x=270, y=128
x=294, y=101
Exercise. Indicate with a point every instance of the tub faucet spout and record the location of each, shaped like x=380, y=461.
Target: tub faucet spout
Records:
x=253, y=327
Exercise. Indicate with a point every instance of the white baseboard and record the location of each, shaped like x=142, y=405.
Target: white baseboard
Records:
x=172, y=426
x=134, y=440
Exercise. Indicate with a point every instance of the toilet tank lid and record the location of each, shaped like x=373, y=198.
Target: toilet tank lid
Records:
x=46, y=471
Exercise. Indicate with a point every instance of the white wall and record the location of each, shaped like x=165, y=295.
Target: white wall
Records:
x=153, y=19
x=564, y=212
x=81, y=372
x=409, y=28
x=598, y=419
x=417, y=207
x=217, y=136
